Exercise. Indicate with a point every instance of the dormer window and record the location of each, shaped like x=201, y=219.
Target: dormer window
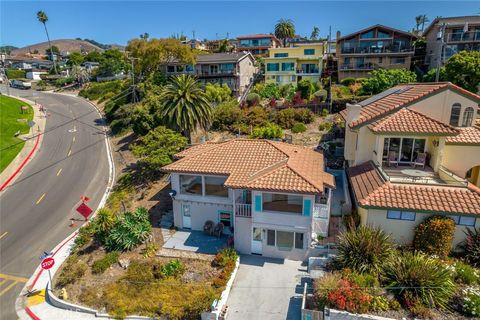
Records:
x=467, y=117
x=455, y=114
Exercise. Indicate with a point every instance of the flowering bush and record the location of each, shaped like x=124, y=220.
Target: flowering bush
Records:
x=350, y=297
x=435, y=235
x=465, y=273
x=471, y=302
x=471, y=246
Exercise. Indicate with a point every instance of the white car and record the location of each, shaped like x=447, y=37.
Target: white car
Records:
x=20, y=84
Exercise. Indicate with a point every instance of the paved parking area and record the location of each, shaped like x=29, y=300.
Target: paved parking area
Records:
x=267, y=289
x=195, y=241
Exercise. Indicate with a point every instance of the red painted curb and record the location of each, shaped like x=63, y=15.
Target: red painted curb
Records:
x=5, y=184
x=31, y=314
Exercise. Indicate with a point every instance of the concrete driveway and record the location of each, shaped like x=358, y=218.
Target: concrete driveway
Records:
x=267, y=289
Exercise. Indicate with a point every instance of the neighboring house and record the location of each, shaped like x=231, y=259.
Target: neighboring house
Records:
x=375, y=47
x=235, y=69
x=90, y=65
x=413, y=152
x=291, y=64
x=271, y=196
x=34, y=74
x=195, y=44
x=258, y=44
x=461, y=34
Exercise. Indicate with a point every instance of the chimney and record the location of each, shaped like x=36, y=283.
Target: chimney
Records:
x=353, y=112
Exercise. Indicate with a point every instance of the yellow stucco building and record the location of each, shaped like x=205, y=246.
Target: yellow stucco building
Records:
x=291, y=64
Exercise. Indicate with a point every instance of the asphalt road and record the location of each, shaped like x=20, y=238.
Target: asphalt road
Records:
x=71, y=162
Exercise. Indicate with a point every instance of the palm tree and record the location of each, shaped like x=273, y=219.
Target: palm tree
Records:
x=424, y=20
x=284, y=29
x=43, y=18
x=421, y=20
x=315, y=33
x=184, y=105
x=79, y=73
x=418, y=22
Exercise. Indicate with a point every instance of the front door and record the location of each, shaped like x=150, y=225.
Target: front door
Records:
x=257, y=240
x=225, y=217
x=187, y=219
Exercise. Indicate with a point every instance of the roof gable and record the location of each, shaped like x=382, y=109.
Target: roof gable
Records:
x=405, y=33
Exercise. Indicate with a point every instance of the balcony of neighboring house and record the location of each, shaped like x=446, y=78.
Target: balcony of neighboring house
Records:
x=308, y=69
x=359, y=66
x=211, y=71
x=243, y=203
x=377, y=48
x=458, y=36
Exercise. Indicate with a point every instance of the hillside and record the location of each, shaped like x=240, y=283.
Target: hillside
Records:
x=64, y=45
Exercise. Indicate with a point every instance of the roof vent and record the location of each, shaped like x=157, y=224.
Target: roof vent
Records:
x=402, y=90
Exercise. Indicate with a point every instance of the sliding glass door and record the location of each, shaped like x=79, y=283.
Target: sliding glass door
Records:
x=406, y=149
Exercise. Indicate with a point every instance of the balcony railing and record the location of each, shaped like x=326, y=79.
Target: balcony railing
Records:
x=243, y=210
x=364, y=66
x=463, y=36
x=376, y=50
x=301, y=71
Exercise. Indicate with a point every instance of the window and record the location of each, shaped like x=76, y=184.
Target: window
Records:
x=257, y=234
x=467, y=117
x=367, y=35
x=288, y=66
x=455, y=114
x=226, y=218
x=382, y=34
x=401, y=215
x=170, y=69
x=272, y=66
x=284, y=240
x=464, y=221
x=308, y=52
x=400, y=60
x=214, y=186
x=189, y=68
x=280, y=55
x=298, y=240
x=346, y=60
x=380, y=59
x=282, y=203
x=270, y=237
x=309, y=68
x=406, y=149
x=360, y=62
x=180, y=68
x=191, y=185
x=227, y=67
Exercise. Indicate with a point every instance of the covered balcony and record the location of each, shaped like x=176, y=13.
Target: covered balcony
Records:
x=243, y=203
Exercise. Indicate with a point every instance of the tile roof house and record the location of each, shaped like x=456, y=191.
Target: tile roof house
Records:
x=271, y=196
x=414, y=151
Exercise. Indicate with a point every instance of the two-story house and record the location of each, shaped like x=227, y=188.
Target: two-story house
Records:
x=258, y=44
x=236, y=69
x=459, y=34
x=414, y=151
x=291, y=64
x=273, y=197
x=371, y=48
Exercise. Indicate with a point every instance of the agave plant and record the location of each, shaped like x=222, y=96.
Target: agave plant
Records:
x=130, y=230
x=365, y=250
x=415, y=275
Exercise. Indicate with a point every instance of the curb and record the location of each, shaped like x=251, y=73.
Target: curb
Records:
x=30, y=155
x=20, y=308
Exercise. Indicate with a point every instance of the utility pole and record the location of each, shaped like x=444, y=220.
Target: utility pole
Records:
x=440, y=54
x=134, y=91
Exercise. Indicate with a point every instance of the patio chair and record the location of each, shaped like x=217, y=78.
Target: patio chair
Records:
x=392, y=158
x=218, y=230
x=208, y=227
x=421, y=160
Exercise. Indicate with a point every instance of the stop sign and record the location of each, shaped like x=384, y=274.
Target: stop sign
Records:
x=47, y=263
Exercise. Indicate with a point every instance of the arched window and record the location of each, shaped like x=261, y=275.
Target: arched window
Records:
x=467, y=117
x=455, y=114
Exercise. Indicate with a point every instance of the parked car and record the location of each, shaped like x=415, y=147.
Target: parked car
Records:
x=20, y=84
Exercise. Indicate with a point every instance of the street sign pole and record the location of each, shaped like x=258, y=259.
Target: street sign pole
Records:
x=51, y=282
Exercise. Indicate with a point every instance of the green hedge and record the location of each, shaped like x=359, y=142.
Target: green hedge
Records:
x=16, y=74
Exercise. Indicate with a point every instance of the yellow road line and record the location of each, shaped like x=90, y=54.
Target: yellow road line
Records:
x=10, y=286
x=41, y=198
x=69, y=153
x=73, y=138
x=14, y=278
x=3, y=281
x=59, y=171
x=3, y=234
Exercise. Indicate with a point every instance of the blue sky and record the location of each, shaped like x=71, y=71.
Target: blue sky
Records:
x=119, y=21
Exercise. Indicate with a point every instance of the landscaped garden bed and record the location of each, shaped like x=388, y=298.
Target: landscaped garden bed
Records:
x=371, y=275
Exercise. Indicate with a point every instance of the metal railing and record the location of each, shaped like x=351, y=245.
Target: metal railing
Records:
x=468, y=36
x=376, y=50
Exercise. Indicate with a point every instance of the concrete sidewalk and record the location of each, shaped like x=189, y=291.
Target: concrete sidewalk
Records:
x=30, y=140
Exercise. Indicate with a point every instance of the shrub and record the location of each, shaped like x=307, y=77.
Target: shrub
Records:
x=130, y=229
x=416, y=276
x=299, y=127
x=226, y=115
x=325, y=126
x=173, y=268
x=348, y=81
x=268, y=131
x=380, y=303
x=471, y=246
x=304, y=115
x=15, y=74
x=225, y=256
x=365, y=250
x=321, y=94
x=95, y=91
x=90, y=296
x=285, y=118
x=363, y=280
x=73, y=269
x=104, y=221
x=271, y=90
x=85, y=234
x=435, y=235
x=253, y=99
x=100, y=265
x=139, y=274
x=255, y=116
x=64, y=81
x=306, y=88
x=466, y=274
x=471, y=302
x=382, y=79
x=345, y=295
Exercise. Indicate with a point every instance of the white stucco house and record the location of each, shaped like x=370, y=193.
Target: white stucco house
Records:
x=272, y=197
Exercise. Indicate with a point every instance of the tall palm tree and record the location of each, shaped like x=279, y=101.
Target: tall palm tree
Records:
x=315, y=33
x=184, y=105
x=79, y=74
x=418, y=22
x=424, y=20
x=43, y=18
x=284, y=29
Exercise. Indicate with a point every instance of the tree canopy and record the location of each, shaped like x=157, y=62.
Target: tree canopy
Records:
x=75, y=59
x=217, y=94
x=463, y=69
x=111, y=63
x=284, y=29
x=382, y=79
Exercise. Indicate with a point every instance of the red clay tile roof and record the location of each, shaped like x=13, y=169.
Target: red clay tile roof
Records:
x=371, y=190
x=257, y=164
x=407, y=94
x=470, y=135
x=411, y=121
